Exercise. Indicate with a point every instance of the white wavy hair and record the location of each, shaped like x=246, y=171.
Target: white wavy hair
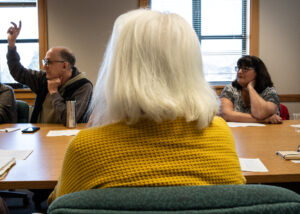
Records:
x=152, y=69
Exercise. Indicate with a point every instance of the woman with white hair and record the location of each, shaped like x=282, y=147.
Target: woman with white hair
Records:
x=152, y=114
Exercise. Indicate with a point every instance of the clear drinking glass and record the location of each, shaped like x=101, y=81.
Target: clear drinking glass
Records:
x=296, y=116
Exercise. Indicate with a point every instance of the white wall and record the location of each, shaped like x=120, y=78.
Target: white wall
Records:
x=279, y=45
x=85, y=27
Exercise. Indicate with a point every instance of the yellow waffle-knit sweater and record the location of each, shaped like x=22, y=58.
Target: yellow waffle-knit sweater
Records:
x=170, y=153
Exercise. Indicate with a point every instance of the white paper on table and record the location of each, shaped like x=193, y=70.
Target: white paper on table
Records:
x=54, y=133
x=252, y=165
x=17, y=154
x=237, y=124
x=5, y=164
x=295, y=161
x=296, y=125
x=9, y=129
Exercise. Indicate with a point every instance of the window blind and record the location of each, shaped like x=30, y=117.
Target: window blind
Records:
x=222, y=28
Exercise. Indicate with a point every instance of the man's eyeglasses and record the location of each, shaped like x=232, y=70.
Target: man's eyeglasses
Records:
x=47, y=62
x=244, y=69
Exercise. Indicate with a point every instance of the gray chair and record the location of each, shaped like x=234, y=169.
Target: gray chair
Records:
x=219, y=199
x=23, y=111
x=3, y=207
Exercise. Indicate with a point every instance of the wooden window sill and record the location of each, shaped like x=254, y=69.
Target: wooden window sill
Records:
x=28, y=96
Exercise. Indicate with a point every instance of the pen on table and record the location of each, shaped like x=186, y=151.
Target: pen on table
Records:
x=11, y=129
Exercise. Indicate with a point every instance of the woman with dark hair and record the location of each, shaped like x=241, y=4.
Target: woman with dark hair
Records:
x=251, y=97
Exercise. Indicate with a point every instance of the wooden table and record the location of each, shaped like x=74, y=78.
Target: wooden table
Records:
x=262, y=143
x=42, y=168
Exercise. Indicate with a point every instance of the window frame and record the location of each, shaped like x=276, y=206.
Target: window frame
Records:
x=243, y=36
x=254, y=21
x=42, y=26
x=43, y=30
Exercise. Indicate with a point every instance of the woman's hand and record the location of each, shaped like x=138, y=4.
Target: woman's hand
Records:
x=274, y=119
x=251, y=84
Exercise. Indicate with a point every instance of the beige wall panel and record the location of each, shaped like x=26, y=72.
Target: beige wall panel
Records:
x=279, y=46
x=85, y=27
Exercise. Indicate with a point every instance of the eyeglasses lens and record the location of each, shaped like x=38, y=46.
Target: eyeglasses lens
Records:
x=45, y=62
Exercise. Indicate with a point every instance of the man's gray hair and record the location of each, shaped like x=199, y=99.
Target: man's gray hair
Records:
x=68, y=56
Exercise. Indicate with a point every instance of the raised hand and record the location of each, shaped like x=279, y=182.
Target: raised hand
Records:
x=13, y=32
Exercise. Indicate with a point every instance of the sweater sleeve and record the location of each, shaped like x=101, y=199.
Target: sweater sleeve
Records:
x=31, y=78
x=73, y=171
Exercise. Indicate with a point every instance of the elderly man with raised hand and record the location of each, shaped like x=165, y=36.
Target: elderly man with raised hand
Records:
x=60, y=81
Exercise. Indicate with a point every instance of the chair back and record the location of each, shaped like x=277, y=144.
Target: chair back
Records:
x=284, y=112
x=219, y=199
x=22, y=111
x=3, y=207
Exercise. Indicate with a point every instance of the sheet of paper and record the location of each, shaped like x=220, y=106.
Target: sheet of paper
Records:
x=237, y=124
x=295, y=161
x=252, y=165
x=54, y=133
x=296, y=126
x=9, y=129
x=17, y=154
x=4, y=161
x=5, y=165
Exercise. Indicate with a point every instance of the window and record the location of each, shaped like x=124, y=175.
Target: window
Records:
x=31, y=42
x=223, y=29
